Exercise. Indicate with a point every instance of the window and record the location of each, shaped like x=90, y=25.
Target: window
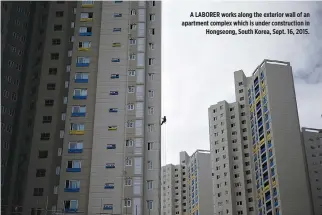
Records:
x=128, y=162
x=129, y=143
x=42, y=154
x=84, y=45
x=132, y=57
x=58, y=27
x=133, y=26
x=151, y=76
x=51, y=86
x=133, y=12
x=150, y=185
x=151, y=93
x=128, y=182
x=127, y=203
x=52, y=71
x=44, y=136
x=241, y=98
x=149, y=204
x=38, y=191
x=151, y=127
x=151, y=46
x=150, y=166
x=240, y=83
x=130, y=106
x=40, y=173
x=152, y=17
x=241, y=91
x=150, y=110
x=59, y=13
x=151, y=61
x=54, y=56
x=150, y=145
x=131, y=72
x=132, y=41
x=243, y=114
x=152, y=31
x=85, y=15
x=47, y=119
x=14, y=96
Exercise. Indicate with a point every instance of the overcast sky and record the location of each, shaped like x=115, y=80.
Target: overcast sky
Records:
x=198, y=68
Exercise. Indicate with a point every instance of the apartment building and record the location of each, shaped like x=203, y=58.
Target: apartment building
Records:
x=312, y=144
x=185, y=187
x=95, y=128
x=265, y=131
x=28, y=111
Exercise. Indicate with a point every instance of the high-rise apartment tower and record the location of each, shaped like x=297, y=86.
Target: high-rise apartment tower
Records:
x=186, y=186
x=257, y=157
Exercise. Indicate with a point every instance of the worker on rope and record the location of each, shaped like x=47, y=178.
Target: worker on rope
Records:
x=164, y=120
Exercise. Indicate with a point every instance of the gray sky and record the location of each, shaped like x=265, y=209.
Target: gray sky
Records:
x=198, y=68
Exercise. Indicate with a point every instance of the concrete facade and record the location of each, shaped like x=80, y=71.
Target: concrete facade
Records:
x=312, y=144
x=271, y=130
x=118, y=169
x=185, y=187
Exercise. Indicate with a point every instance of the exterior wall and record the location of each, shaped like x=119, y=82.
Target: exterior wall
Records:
x=94, y=196
x=312, y=144
x=230, y=157
x=53, y=146
x=291, y=183
x=168, y=190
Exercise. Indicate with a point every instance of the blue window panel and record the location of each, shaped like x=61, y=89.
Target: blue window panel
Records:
x=75, y=151
x=79, y=97
x=117, y=15
x=110, y=166
x=85, y=34
x=113, y=110
x=115, y=76
x=118, y=1
x=115, y=60
x=111, y=146
x=82, y=64
x=114, y=93
x=81, y=80
x=117, y=29
x=70, y=210
x=73, y=169
x=71, y=190
x=78, y=114
x=109, y=186
x=108, y=207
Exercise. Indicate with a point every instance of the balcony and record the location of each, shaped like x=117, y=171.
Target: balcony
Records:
x=264, y=159
x=73, y=169
x=112, y=128
x=70, y=210
x=86, y=34
x=78, y=114
x=265, y=109
x=267, y=197
x=270, y=153
x=82, y=64
x=266, y=188
x=76, y=132
x=268, y=207
x=79, y=97
x=75, y=151
x=271, y=163
x=275, y=193
x=87, y=4
x=86, y=19
x=115, y=60
x=114, y=93
x=81, y=80
x=117, y=29
x=71, y=189
x=82, y=49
